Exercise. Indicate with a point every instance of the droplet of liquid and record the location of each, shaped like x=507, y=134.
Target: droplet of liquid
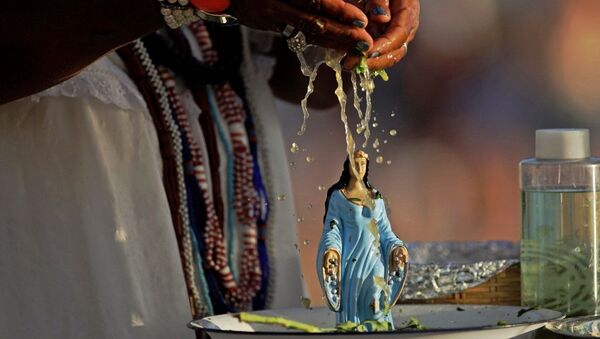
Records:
x=393, y=132
x=306, y=242
x=377, y=150
x=281, y=197
x=292, y=164
x=379, y=159
x=376, y=144
x=300, y=219
x=321, y=188
x=295, y=148
x=393, y=114
x=375, y=124
x=385, y=141
x=389, y=162
x=310, y=158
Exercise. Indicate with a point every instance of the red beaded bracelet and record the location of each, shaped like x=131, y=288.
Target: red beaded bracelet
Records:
x=211, y=6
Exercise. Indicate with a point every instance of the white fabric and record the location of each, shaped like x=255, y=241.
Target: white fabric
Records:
x=87, y=247
x=104, y=80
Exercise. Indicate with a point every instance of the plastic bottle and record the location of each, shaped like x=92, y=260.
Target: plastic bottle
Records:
x=561, y=211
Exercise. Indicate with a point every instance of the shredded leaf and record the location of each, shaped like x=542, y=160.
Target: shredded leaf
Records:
x=367, y=326
x=502, y=323
x=460, y=309
x=377, y=326
x=414, y=323
x=255, y=318
x=362, y=66
x=380, y=73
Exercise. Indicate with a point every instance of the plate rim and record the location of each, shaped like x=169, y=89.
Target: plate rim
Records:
x=192, y=325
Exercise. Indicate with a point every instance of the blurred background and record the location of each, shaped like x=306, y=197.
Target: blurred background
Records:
x=479, y=79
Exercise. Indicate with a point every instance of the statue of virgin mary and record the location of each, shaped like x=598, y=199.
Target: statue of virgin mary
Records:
x=361, y=264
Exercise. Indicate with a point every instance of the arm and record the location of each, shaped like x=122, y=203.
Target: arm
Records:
x=50, y=41
x=46, y=42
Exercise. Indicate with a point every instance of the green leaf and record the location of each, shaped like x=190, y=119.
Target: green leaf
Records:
x=362, y=67
x=415, y=323
x=501, y=323
x=381, y=73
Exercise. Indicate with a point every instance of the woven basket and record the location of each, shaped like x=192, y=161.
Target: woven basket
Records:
x=502, y=289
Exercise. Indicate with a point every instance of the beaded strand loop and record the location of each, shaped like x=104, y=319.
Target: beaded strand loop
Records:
x=246, y=200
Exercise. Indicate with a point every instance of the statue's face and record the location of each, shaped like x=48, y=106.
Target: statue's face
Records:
x=361, y=168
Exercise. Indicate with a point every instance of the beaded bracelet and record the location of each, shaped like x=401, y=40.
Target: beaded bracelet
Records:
x=177, y=13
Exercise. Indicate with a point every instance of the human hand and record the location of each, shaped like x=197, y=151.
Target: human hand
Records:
x=391, y=27
x=329, y=23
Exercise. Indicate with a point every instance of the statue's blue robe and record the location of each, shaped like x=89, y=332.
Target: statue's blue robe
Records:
x=365, y=251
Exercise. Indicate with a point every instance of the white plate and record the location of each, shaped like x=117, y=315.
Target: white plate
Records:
x=441, y=321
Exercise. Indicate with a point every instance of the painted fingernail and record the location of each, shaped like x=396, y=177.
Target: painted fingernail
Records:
x=362, y=46
x=378, y=10
x=358, y=23
x=374, y=55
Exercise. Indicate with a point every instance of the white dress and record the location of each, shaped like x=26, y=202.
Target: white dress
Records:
x=87, y=247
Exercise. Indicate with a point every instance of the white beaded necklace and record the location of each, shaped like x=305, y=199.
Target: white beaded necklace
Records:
x=187, y=251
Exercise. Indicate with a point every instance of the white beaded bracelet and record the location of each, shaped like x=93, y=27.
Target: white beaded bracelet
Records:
x=177, y=13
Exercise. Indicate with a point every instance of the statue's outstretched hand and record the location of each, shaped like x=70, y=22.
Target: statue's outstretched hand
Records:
x=331, y=264
x=399, y=259
x=332, y=278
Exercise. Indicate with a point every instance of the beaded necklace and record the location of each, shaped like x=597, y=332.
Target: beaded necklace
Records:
x=146, y=76
x=245, y=196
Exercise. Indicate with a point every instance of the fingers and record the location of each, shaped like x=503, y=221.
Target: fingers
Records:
x=326, y=32
x=401, y=29
x=338, y=10
x=378, y=10
x=389, y=48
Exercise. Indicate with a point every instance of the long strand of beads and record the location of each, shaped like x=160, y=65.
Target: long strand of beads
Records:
x=214, y=255
x=161, y=92
x=245, y=196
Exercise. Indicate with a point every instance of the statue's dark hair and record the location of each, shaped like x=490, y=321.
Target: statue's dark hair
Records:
x=343, y=182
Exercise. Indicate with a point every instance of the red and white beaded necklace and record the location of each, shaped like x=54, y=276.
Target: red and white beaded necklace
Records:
x=237, y=294
x=245, y=200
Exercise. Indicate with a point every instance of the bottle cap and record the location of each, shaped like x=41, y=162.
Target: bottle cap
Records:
x=559, y=144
